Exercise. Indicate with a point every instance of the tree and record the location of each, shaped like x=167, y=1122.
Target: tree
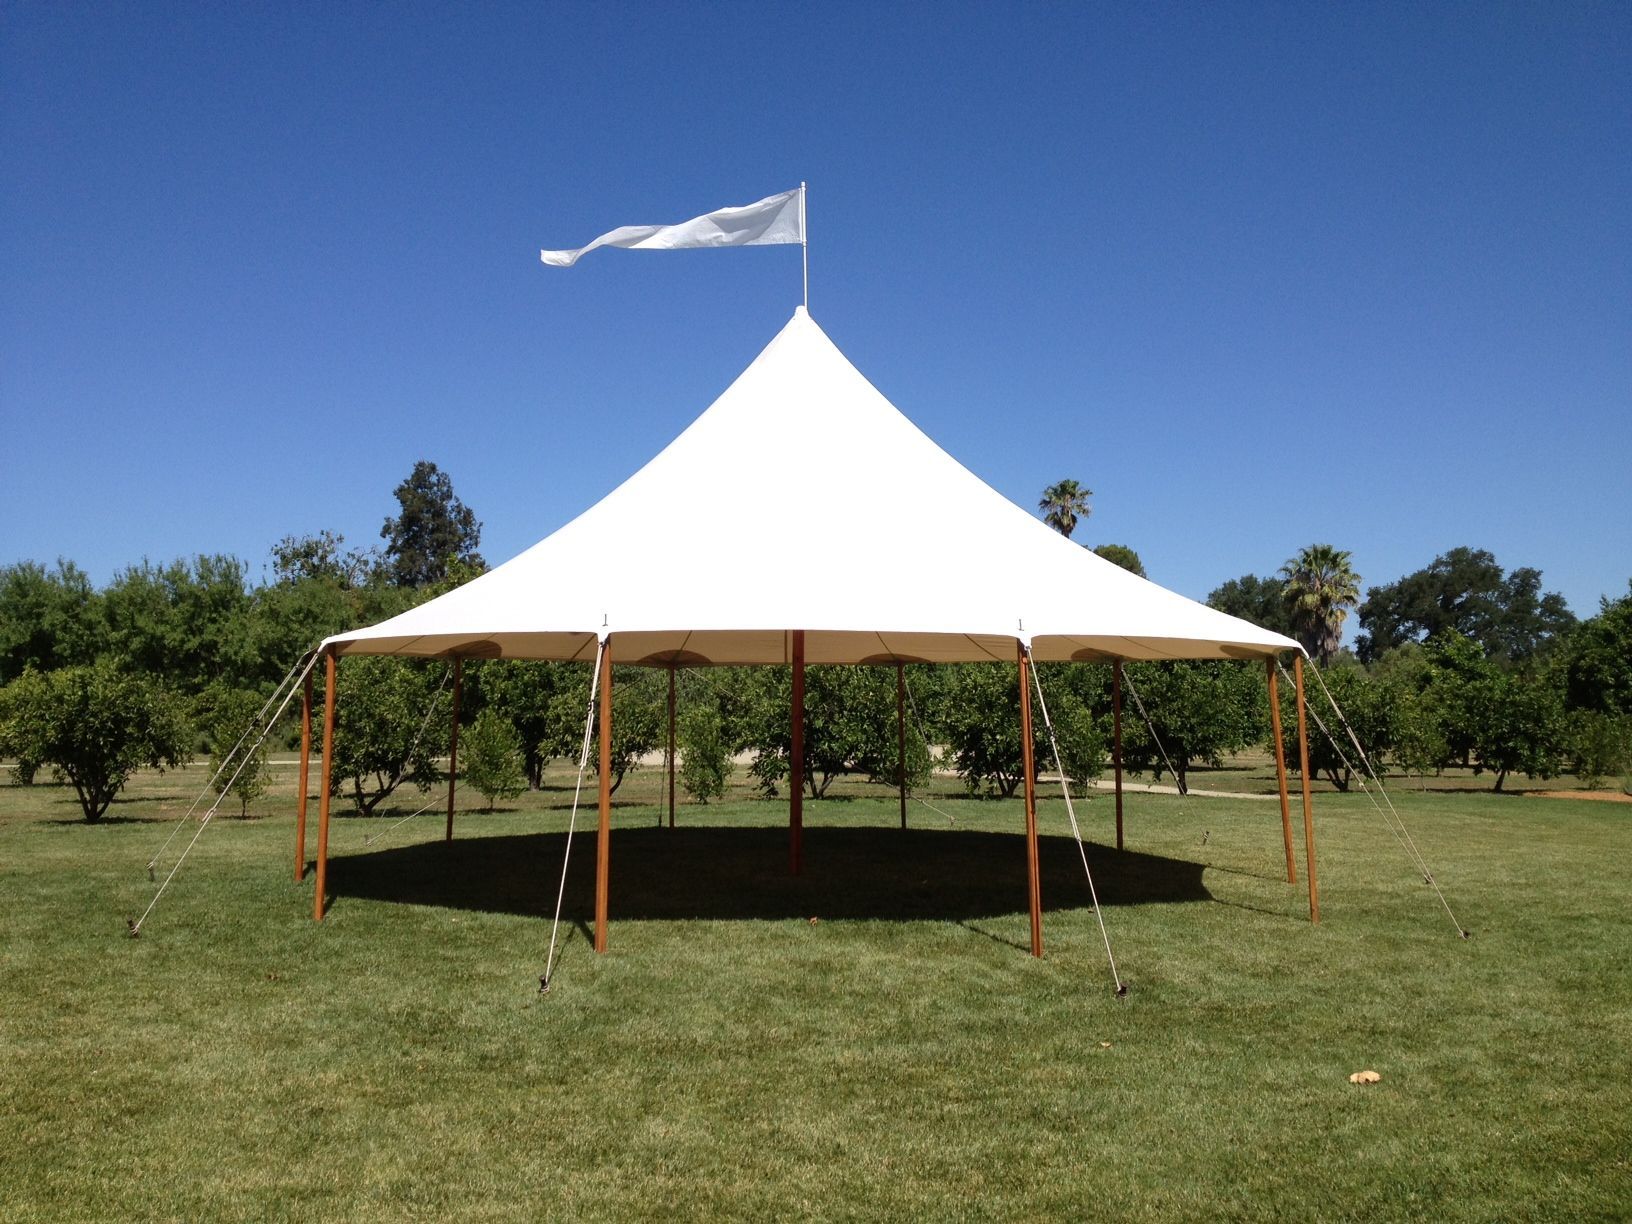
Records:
x=490, y=757
x=1320, y=588
x=48, y=618
x=1063, y=503
x=705, y=757
x=522, y=691
x=1598, y=660
x=638, y=719
x=95, y=726
x=386, y=729
x=188, y=621
x=433, y=528
x=1259, y=600
x=1201, y=711
x=1121, y=554
x=1370, y=707
x=976, y=714
x=232, y=719
x=1464, y=591
x=323, y=556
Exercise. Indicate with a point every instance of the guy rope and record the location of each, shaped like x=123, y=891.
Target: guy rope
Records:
x=572, y=821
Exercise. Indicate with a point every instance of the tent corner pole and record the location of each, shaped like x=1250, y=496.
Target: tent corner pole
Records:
x=453, y=742
x=305, y=776
x=603, y=835
x=1029, y=770
x=1280, y=770
x=324, y=785
x=1308, y=798
x=796, y=763
x=671, y=745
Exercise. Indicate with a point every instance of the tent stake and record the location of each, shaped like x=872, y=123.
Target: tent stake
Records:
x=330, y=696
x=1029, y=767
x=901, y=736
x=603, y=836
x=305, y=781
x=796, y=799
x=1308, y=799
x=671, y=745
x=453, y=746
x=1280, y=770
x=1116, y=741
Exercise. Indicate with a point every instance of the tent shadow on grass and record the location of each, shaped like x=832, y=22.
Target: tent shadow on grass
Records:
x=742, y=873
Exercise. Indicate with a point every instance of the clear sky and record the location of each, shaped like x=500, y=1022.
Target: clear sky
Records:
x=1260, y=276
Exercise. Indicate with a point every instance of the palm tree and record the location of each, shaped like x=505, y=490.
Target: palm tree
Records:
x=1320, y=589
x=1063, y=504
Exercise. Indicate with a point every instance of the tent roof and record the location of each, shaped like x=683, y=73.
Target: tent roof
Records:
x=803, y=499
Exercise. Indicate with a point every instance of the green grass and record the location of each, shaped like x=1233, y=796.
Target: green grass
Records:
x=900, y=1058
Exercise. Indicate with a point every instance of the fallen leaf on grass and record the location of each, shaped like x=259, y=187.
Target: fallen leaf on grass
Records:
x=1364, y=1077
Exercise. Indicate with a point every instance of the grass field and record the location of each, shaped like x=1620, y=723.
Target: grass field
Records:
x=901, y=1057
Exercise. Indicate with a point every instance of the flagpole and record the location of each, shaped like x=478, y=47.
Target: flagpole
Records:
x=804, y=244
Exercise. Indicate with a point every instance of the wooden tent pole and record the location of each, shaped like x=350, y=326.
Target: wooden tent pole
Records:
x=305, y=777
x=1029, y=764
x=1116, y=741
x=796, y=798
x=453, y=743
x=603, y=837
x=671, y=745
x=324, y=787
x=1280, y=770
x=901, y=736
x=1308, y=799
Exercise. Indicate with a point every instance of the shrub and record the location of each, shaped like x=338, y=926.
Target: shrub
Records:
x=490, y=756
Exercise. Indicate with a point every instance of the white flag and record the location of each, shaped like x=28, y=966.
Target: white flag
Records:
x=777, y=218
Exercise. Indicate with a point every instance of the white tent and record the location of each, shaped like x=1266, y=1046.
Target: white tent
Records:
x=814, y=489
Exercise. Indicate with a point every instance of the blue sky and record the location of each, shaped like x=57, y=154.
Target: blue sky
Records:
x=1260, y=276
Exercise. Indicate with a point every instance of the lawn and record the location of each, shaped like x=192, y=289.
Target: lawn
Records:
x=867, y=1041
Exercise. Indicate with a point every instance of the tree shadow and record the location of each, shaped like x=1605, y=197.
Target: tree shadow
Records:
x=701, y=872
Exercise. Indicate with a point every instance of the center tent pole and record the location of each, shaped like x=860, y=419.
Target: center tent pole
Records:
x=1308, y=798
x=603, y=837
x=1280, y=769
x=1029, y=766
x=453, y=749
x=796, y=798
x=305, y=779
x=324, y=787
x=671, y=745
x=1116, y=741
x=901, y=736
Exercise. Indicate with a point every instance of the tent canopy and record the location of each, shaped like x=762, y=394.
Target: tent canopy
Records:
x=798, y=500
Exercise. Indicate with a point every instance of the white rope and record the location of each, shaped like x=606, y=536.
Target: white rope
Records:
x=1151, y=727
x=227, y=760
x=572, y=821
x=1401, y=833
x=429, y=803
x=136, y=927
x=1071, y=811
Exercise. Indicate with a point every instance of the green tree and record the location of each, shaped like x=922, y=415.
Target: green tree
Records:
x=1598, y=660
x=490, y=757
x=1063, y=504
x=188, y=621
x=705, y=757
x=976, y=713
x=522, y=691
x=1259, y=600
x=1200, y=710
x=1371, y=707
x=95, y=726
x=387, y=730
x=639, y=719
x=1464, y=591
x=1320, y=588
x=1601, y=745
x=1121, y=554
x=48, y=618
x=324, y=557
x=432, y=529
x=232, y=719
